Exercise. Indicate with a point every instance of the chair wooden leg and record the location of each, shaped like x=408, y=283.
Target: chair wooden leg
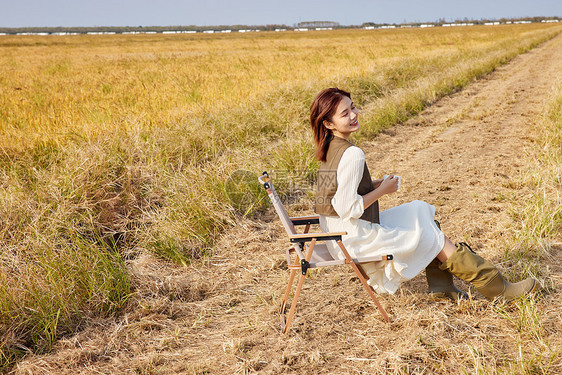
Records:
x=362, y=277
x=299, y=287
x=288, y=290
x=294, y=304
x=369, y=290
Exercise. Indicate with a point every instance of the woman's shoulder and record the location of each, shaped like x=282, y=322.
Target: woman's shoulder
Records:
x=353, y=152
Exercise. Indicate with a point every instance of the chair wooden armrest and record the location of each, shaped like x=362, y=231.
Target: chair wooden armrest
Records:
x=305, y=220
x=307, y=237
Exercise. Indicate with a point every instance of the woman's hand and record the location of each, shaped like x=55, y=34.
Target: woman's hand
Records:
x=389, y=185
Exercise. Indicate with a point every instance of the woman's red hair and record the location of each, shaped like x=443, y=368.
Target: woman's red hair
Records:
x=323, y=109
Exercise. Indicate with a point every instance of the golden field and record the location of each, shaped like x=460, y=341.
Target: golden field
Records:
x=58, y=86
x=113, y=147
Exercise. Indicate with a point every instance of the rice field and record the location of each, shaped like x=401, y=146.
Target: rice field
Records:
x=116, y=146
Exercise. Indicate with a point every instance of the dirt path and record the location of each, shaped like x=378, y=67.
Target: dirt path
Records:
x=463, y=155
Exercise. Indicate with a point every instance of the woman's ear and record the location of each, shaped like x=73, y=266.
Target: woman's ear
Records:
x=328, y=124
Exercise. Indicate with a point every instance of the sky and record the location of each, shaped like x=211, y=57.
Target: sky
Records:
x=28, y=13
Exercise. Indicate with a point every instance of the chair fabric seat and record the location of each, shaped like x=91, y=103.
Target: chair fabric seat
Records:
x=321, y=257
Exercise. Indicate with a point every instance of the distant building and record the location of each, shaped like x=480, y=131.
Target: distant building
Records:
x=316, y=24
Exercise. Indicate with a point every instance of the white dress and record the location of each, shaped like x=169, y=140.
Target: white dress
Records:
x=408, y=231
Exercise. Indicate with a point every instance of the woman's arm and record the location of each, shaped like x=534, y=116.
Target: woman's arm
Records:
x=346, y=202
x=377, y=183
x=387, y=186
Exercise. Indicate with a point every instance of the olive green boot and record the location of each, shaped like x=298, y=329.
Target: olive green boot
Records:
x=441, y=284
x=469, y=266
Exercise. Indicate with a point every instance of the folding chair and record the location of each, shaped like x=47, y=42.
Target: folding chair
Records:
x=313, y=255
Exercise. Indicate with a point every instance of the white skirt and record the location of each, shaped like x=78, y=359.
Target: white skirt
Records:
x=408, y=232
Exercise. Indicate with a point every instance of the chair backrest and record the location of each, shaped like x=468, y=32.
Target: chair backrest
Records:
x=277, y=204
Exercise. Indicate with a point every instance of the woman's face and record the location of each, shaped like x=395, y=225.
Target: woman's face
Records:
x=344, y=121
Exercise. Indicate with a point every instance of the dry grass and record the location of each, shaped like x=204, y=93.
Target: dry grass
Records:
x=114, y=148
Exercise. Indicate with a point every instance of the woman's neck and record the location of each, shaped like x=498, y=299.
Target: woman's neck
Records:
x=344, y=137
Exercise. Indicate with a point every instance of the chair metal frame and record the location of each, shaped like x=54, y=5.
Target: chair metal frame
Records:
x=313, y=255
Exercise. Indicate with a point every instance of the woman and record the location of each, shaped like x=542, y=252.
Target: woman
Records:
x=347, y=200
